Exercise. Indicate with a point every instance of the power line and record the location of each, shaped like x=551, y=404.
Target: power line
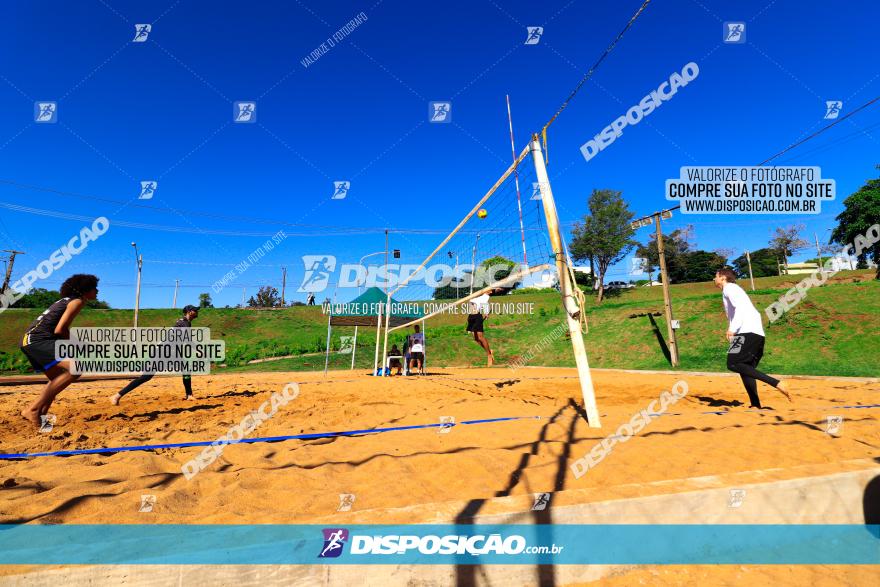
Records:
x=818, y=132
x=589, y=73
x=342, y=231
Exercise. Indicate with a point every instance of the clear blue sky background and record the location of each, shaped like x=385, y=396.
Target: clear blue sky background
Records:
x=163, y=110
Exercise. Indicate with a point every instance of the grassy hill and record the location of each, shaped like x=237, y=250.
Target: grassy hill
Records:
x=835, y=331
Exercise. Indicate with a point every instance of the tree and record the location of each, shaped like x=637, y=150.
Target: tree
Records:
x=675, y=246
x=43, y=298
x=496, y=269
x=267, y=297
x=764, y=264
x=787, y=241
x=861, y=211
x=205, y=300
x=459, y=286
x=700, y=266
x=605, y=236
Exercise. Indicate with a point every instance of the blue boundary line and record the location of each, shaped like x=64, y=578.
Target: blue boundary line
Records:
x=145, y=447
x=724, y=412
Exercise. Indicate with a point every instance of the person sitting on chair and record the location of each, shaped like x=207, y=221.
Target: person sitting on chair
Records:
x=395, y=362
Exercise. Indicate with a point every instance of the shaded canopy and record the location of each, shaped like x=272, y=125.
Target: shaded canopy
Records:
x=364, y=310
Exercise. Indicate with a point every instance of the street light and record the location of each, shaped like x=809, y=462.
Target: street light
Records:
x=139, y=259
x=474, y=262
x=397, y=252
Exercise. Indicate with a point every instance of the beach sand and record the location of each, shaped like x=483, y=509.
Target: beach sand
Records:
x=422, y=475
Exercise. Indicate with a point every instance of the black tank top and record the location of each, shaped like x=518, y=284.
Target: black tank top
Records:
x=43, y=327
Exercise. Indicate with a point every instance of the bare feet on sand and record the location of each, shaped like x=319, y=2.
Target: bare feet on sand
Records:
x=114, y=399
x=782, y=386
x=189, y=398
x=32, y=416
x=491, y=359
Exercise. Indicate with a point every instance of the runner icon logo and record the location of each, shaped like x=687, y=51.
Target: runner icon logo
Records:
x=334, y=541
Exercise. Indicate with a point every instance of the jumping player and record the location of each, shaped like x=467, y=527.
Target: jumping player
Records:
x=476, y=317
x=745, y=333
x=190, y=313
x=38, y=343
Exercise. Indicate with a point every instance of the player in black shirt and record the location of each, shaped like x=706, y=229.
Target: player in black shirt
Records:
x=190, y=313
x=38, y=342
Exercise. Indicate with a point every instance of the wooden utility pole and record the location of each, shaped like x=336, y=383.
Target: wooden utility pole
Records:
x=283, y=283
x=667, y=305
x=752, y=279
x=9, y=265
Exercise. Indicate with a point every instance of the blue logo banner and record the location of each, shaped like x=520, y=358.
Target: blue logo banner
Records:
x=440, y=544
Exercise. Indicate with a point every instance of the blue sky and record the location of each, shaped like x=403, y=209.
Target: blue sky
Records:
x=162, y=110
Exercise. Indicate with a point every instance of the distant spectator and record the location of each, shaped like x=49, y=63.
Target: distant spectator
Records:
x=417, y=350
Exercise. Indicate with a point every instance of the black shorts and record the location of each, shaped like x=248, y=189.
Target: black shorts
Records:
x=420, y=357
x=475, y=323
x=41, y=354
x=394, y=363
x=746, y=348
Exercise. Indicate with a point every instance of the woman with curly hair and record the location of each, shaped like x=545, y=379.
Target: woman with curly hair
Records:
x=38, y=343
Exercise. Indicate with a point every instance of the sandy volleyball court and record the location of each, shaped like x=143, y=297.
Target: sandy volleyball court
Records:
x=708, y=439
x=298, y=481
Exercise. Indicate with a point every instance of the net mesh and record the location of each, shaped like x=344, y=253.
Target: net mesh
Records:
x=507, y=231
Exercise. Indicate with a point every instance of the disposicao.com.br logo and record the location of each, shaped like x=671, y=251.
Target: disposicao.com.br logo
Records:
x=449, y=544
x=320, y=269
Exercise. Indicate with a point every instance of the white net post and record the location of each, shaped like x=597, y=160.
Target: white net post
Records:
x=378, y=334
x=566, y=286
x=385, y=344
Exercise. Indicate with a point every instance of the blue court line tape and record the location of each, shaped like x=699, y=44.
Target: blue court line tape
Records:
x=117, y=449
x=723, y=412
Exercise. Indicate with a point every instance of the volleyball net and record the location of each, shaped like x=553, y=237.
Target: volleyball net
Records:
x=509, y=239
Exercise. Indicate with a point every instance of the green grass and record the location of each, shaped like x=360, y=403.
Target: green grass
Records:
x=835, y=331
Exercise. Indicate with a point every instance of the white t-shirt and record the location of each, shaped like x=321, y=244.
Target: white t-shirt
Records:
x=741, y=312
x=417, y=342
x=480, y=304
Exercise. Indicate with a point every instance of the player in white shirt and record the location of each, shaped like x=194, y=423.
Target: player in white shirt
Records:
x=416, y=351
x=479, y=310
x=745, y=333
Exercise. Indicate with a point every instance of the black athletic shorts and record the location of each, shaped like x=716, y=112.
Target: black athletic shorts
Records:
x=746, y=348
x=475, y=323
x=420, y=357
x=41, y=354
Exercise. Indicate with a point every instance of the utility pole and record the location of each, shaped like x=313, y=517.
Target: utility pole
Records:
x=283, y=283
x=667, y=305
x=9, y=265
x=749, y=261
x=243, y=290
x=137, y=294
x=386, y=263
x=176, y=285
x=474, y=263
x=818, y=250
x=664, y=276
